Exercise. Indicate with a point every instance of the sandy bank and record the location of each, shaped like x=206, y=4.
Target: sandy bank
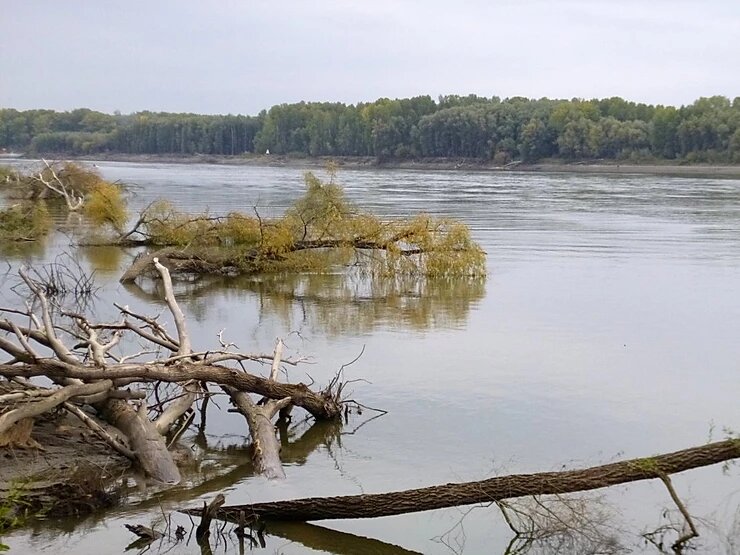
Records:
x=430, y=164
x=70, y=474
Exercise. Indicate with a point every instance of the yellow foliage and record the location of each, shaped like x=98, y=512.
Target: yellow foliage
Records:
x=105, y=205
x=321, y=231
x=321, y=210
x=103, y=202
x=80, y=178
x=238, y=229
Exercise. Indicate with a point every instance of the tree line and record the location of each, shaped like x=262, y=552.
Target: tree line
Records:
x=471, y=127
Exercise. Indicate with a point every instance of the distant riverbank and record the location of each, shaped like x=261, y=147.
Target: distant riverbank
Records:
x=443, y=164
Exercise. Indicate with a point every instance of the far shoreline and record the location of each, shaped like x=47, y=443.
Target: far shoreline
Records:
x=611, y=167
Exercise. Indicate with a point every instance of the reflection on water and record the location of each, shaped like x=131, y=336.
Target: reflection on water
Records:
x=354, y=304
x=24, y=250
x=335, y=304
x=107, y=260
x=332, y=541
x=220, y=466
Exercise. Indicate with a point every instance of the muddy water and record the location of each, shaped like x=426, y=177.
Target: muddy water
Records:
x=607, y=328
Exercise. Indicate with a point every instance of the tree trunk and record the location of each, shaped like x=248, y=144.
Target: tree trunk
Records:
x=322, y=405
x=35, y=408
x=148, y=445
x=265, y=444
x=486, y=491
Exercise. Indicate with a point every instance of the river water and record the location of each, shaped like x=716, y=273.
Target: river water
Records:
x=607, y=328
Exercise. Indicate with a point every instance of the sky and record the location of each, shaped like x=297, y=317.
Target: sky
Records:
x=232, y=56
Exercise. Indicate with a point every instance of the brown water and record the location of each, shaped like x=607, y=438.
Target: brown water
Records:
x=607, y=328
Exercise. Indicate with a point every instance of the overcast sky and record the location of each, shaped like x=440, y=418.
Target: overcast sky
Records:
x=231, y=56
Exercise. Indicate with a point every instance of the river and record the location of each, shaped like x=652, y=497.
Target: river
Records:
x=607, y=328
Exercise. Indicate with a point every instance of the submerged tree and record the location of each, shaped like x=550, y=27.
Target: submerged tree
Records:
x=320, y=232
x=79, y=189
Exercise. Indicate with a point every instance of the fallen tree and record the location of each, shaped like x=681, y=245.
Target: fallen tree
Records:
x=320, y=231
x=144, y=399
x=78, y=187
x=486, y=491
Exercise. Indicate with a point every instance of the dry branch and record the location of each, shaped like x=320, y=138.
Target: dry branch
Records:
x=179, y=317
x=486, y=491
x=322, y=405
x=207, y=515
x=31, y=409
x=90, y=422
x=73, y=200
x=92, y=359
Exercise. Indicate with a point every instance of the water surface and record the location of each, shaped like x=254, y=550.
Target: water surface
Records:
x=607, y=328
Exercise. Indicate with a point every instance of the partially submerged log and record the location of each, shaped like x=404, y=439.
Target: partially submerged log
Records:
x=486, y=491
x=150, y=448
x=144, y=262
x=265, y=445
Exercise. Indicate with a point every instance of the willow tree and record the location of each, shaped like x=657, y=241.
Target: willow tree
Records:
x=321, y=231
x=74, y=187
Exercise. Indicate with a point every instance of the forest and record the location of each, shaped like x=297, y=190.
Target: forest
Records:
x=491, y=130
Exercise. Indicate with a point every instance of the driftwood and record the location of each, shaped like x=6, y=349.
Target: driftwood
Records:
x=29, y=410
x=322, y=405
x=149, y=446
x=82, y=358
x=143, y=262
x=485, y=491
x=265, y=447
x=207, y=515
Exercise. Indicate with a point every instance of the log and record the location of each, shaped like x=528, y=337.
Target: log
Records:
x=143, y=263
x=265, y=445
x=486, y=491
x=31, y=409
x=144, y=440
x=322, y=405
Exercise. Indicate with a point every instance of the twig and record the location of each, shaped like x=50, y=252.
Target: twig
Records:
x=678, y=545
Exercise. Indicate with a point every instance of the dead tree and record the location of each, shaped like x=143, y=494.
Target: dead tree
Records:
x=486, y=491
x=266, y=447
x=52, y=182
x=93, y=373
